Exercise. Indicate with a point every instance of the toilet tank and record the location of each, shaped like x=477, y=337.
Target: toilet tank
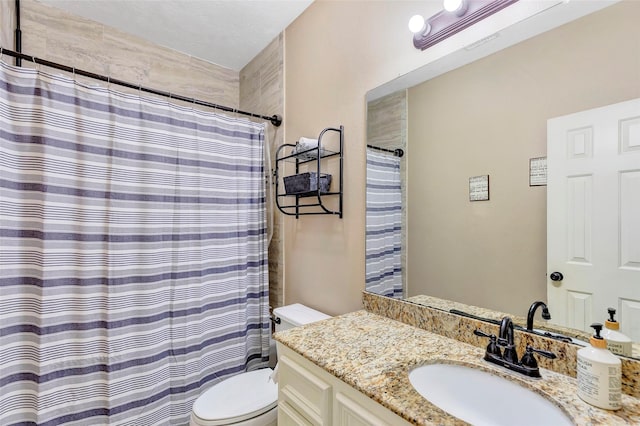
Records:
x=295, y=315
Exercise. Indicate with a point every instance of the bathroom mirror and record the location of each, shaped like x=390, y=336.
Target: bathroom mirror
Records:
x=489, y=118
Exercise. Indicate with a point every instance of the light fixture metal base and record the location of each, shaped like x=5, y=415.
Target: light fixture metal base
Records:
x=444, y=24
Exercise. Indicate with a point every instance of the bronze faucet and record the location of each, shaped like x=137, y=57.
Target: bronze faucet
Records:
x=509, y=358
x=532, y=311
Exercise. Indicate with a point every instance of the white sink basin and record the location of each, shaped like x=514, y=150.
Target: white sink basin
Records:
x=480, y=398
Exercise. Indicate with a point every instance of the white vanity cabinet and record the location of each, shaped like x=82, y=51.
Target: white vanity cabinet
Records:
x=308, y=395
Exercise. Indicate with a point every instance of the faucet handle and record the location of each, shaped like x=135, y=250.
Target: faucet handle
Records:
x=545, y=354
x=481, y=333
x=528, y=360
x=492, y=347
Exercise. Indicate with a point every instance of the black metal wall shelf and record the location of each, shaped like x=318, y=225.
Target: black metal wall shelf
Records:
x=319, y=154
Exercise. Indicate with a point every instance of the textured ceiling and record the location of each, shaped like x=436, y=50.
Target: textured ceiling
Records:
x=228, y=33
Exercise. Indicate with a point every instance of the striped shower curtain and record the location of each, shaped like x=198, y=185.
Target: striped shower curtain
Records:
x=384, y=225
x=133, y=256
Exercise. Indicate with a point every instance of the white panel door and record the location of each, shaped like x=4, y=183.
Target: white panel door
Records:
x=593, y=216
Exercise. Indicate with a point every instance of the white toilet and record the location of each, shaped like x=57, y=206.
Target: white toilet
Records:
x=249, y=399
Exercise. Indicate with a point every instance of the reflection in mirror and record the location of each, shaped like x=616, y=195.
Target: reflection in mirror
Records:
x=540, y=327
x=386, y=170
x=489, y=118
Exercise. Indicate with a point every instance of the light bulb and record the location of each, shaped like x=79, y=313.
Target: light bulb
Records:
x=453, y=5
x=416, y=23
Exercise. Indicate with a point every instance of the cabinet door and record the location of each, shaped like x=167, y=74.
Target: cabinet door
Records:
x=309, y=395
x=350, y=413
x=305, y=392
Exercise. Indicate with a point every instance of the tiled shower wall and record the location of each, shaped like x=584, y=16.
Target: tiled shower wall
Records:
x=57, y=36
x=262, y=90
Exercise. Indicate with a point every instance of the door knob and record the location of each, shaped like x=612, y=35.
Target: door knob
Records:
x=556, y=276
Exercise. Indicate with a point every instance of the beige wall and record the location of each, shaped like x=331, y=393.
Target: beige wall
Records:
x=331, y=61
x=334, y=53
x=489, y=118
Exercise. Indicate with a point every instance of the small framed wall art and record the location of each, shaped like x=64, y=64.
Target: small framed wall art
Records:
x=479, y=188
x=538, y=171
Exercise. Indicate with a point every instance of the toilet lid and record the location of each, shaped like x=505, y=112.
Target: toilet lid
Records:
x=238, y=398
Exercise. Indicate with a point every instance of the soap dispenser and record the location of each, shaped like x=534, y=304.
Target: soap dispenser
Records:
x=617, y=342
x=599, y=374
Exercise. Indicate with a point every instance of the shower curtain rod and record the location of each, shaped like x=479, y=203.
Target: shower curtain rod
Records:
x=275, y=119
x=398, y=152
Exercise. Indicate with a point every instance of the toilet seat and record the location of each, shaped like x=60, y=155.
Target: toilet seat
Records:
x=229, y=401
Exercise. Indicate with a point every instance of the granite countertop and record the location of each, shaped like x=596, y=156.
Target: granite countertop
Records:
x=447, y=305
x=374, y=355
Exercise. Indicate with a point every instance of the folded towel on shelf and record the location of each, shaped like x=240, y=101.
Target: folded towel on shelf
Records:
x=306, y=144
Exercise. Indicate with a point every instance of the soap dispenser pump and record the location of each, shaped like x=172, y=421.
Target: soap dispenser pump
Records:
x=599, y=374
x=617, y=342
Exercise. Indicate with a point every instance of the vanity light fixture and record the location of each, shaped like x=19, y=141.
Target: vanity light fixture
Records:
x=459, y=7
x=417, y=25
x=455, y=17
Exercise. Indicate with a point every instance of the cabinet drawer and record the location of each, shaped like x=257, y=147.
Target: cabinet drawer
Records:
x=288, y=416
x=305, y=392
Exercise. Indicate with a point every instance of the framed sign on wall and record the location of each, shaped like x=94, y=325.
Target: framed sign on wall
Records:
x=538, y=171
x=479, y=188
